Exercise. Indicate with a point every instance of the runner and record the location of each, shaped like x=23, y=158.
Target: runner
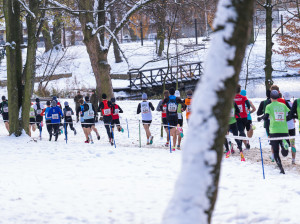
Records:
x=180, y=120
x=68, y=112
x=235, y=111
x=32, y=121
x=38, y=109
x=48, y=119
x=277, y=112
x=4, y=112
x=95, y=101
x=242, y=102
x=79, y=111
x=172, y=117
x=56, y=114
x=106, y=109
x=89, y=114
x=115, y=116
x=188, y=103
x=145, y=108
x=292, y=129
x=77, y=104
x=250, y=110
x=163, y=110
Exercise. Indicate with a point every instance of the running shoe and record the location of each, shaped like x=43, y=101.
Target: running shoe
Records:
x=75, y=132
x=227, y=154
x=178, y=147
x=87, y=141
x=293, y=162
x=242, y=157
x=151, y=140
x=232, y=151
x=92, y=142
x=173, y=148
x=122, y=130
x=248, y=146
x=98, y=137
x=167, y=144
x=272, y=159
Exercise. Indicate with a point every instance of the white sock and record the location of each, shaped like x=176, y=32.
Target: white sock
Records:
x=90, y=136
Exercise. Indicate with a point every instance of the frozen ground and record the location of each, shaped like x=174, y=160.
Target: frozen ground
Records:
x=55, y=182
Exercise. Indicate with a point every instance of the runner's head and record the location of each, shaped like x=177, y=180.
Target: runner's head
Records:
x=144, y=96
x=238, y=89
x=78, y=92
x=189, y=93
x=53, y=103
x=243, y=92
x=37, y=100
x=172, y=91
x=177, y=93
x=93, y=91
x=287, y=96
x=66, y=103
x=274, y=95
x=274, y=87
x=3, y=98
x=166, y=94
x=113, y=100
x=87, y=99
x=48, y=103
x=104, y=96
x=81, y=101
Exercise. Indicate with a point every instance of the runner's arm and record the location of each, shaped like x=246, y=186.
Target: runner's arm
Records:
x=151, y=106
x=294, y=110
x=120, y=109
x=253, y=109
x=139, y=109
x=158, y=108
x=260, y=110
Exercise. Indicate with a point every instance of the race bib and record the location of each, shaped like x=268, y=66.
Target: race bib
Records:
x=39, y=111
x=145, y=109
x=232, y=112
x=279, y=116
x=106, y=112
x=172, y=107
x=54, y=116
x=5, y=109
x=241, y=108
x=189, y=108
x=68, y=113
x=31, y=114
x=164, y=109
x=116, y=111
x=179, y=115
x=91, y=113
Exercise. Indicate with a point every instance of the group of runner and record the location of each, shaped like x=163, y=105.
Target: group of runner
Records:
x=278, y=114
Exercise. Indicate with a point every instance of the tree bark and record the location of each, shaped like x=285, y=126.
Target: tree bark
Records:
x=14, y=63
x=113, y=25
x=47, y=37
x=57, y=29
x=197, y=187
x=97, y=54
x=161, y=26
x=269, y=45
x=30, y=65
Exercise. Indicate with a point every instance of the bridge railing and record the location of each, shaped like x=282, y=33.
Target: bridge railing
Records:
x=156, y=77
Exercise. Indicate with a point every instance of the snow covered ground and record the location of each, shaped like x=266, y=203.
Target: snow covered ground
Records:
x=55, y=182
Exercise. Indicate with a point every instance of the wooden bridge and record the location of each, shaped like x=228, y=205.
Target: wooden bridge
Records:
x=151, y=78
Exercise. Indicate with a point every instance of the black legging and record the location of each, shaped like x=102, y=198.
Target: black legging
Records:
x=275, y=145
x=49, y=127
x=234, y=130
x=241, y=125
x=107, y=123
x=56, y=130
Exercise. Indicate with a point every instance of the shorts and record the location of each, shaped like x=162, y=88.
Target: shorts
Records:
x=248, y=125
x=147, y=122
x=180, y=122
x=165, y=122
x=292, y=132
x=39, y=119
x=173, y=121
x=115, y=122
x=89, y=123
x=32, y=121
x=5, y=117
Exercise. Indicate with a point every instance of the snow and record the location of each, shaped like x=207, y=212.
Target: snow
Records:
x=55, y=182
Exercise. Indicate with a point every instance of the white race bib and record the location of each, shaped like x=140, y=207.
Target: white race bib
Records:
x=241, y=108
x=232, y=112
x=279, y=116
x=54, y=116
x=91, y=113
x=145, y=109
x=39, y=111
x=31, y=114
x=116, y=111
x=172, y=107
x=179, y=115
x=189, y=108
x=5, y=109
x=68, y=113
x=106, y=112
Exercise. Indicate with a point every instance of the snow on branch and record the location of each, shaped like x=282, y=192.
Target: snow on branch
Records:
x=27, y=8
x=58, y=5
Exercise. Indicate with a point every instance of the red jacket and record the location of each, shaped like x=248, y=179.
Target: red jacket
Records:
x=240, y=102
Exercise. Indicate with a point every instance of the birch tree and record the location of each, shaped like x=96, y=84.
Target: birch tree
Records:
x=197, y=186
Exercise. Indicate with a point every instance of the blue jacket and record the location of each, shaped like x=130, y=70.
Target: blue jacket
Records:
x=55, y=113
x=47, y=117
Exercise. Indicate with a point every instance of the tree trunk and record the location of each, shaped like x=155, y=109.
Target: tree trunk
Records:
x=113, y=25
x=101, y=18
x=57, y=29
x=97, y=54
x=197, y=187
x=269, y=45
x=73, y=33
x=14, y=63
x=47, y=37
x=30, y=66
x=161, y=27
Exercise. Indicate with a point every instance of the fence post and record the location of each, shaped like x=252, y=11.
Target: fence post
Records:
x=281, y=25
x=130, y=86
x=196, y=33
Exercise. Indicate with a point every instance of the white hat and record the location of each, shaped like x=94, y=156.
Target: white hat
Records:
x=287, y=96
x=177, y=93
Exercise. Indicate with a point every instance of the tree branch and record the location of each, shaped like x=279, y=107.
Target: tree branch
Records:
x=27, y=8
x=283, y=25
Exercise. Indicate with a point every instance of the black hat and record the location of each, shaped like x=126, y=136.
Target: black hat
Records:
x=113, y=100
x=87, y=98
x=37, y=100
x=48, y=102
x=104, y=96
x=274, y=94
x=172, y=91
x=3, y=98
